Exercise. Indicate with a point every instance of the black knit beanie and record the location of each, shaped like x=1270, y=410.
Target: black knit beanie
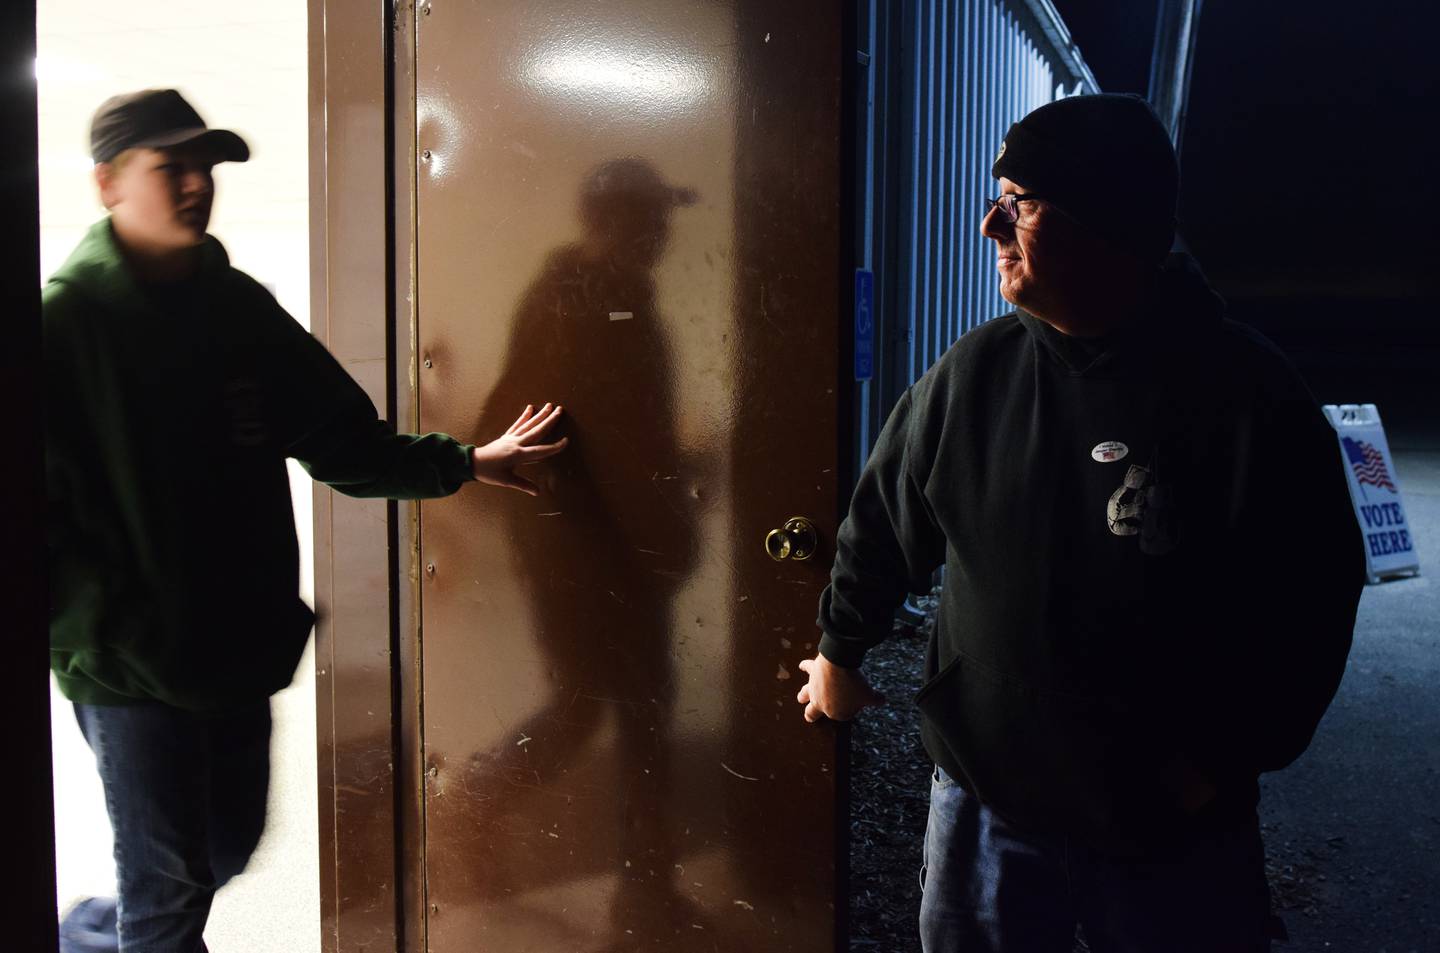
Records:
x=1106, y=160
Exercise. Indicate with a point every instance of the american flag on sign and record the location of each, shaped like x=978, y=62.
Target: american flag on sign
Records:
x=1367, y=463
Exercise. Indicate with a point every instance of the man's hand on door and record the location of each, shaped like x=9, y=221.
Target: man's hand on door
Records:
x=834, y=692
x=495, y=462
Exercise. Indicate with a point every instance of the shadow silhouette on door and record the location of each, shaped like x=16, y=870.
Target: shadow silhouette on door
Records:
x=601, y=555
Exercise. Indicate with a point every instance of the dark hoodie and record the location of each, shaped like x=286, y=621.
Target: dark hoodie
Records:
x=1104, y=615
x=169, y=413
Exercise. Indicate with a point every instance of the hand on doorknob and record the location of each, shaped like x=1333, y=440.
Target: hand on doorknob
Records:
x=495, y=462
x=834, y=692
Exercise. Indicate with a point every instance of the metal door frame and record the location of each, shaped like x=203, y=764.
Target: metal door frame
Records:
x=362, y=255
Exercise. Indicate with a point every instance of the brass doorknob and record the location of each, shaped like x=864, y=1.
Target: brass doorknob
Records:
x=795, y=540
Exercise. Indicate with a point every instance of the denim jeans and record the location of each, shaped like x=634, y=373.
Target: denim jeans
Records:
x=988, y=887
x=186, y=797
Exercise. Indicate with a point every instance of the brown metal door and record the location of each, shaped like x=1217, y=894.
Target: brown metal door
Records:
x=630, y=208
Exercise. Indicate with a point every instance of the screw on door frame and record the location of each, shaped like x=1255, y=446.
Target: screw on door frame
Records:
x=427, y=362
x=429, y=569
x=425, y=155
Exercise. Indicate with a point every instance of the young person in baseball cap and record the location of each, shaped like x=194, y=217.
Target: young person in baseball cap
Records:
x=176, y=389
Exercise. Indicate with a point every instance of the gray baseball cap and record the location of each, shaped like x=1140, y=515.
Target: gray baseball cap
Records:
x=156, y=119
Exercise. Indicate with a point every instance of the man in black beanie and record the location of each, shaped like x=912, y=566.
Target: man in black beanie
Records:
x=1151, y=570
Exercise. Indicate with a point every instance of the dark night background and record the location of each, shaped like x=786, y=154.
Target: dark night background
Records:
x=1308, y=187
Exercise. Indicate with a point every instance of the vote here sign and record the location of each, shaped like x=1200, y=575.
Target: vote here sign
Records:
x=1389, y=545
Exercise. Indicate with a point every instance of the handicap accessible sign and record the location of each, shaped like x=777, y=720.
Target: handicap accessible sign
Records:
x=1389, y=545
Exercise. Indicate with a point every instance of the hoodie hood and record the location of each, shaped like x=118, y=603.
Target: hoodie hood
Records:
x=98, y=268
x=1186, y=306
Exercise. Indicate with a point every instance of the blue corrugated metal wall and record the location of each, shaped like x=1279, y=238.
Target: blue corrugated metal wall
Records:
x=944, y=80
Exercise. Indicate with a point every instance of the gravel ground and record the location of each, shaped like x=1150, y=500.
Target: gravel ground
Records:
x=1352, y=830
x=889, y=798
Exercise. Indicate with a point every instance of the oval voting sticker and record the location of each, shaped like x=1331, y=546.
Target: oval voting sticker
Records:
x=1109, y=451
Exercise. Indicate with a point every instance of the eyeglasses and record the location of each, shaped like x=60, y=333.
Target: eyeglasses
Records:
x=1009, y=205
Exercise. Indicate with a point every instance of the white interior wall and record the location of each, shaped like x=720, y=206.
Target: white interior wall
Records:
x=243, y=66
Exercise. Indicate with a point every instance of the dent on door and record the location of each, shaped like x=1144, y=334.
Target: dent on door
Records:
x=630, y=209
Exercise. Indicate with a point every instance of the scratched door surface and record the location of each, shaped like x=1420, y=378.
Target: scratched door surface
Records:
x=630, y=208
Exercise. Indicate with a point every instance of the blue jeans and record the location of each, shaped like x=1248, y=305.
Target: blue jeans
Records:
x=988, y=887
x=186, y=796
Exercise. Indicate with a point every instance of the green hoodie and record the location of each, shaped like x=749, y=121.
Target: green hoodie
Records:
x=170, y=411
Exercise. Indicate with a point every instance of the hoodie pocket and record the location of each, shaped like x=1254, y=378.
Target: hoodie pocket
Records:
x=1041, y=758
x=238, y=660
